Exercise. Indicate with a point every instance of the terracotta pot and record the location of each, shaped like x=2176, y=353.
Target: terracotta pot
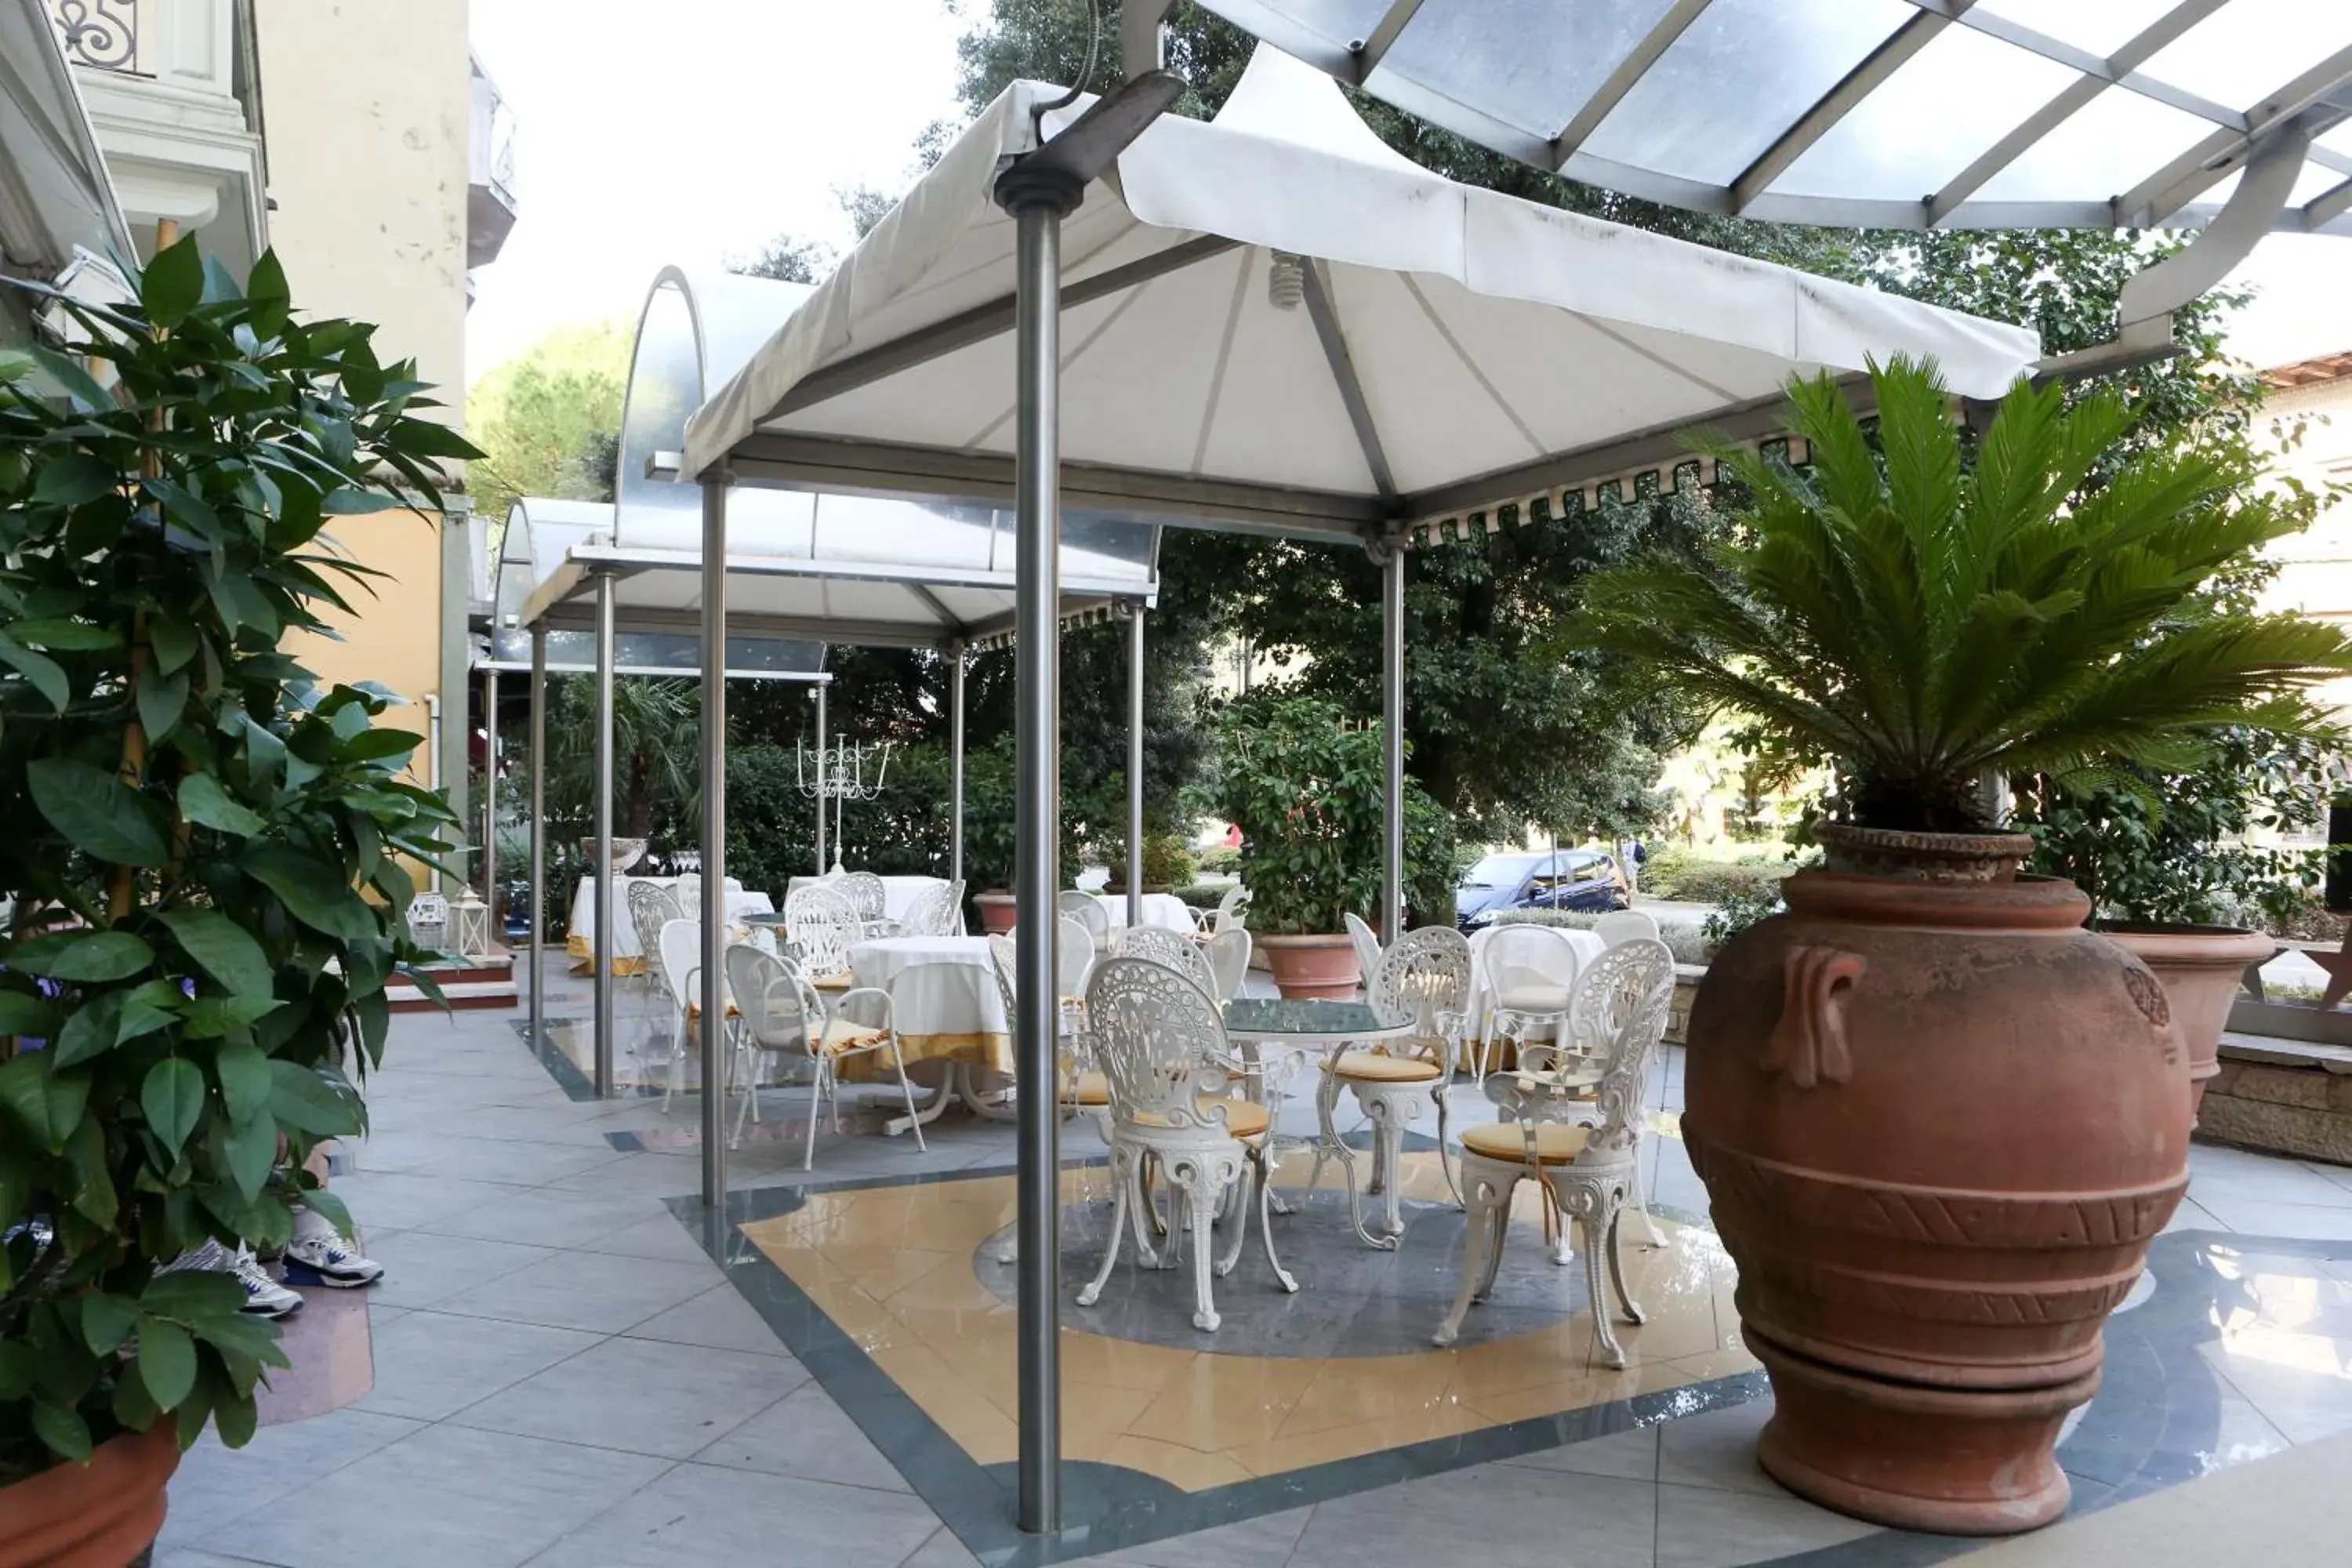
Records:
x=1940, y=1121
x=2202, y=968
x=99, y=1515
x=997, y=914
x=1312, y=966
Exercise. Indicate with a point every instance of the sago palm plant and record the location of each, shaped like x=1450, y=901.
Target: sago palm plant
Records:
x=1918, y=621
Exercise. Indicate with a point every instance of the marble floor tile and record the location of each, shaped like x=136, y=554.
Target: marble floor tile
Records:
x=1702, y=1527
x=601, y=1292
x=641, y=1396
x=698, y=1515
x=429, y=1366
x=807, y=1436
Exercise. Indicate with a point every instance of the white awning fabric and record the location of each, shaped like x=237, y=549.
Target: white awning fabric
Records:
x=1439, y=348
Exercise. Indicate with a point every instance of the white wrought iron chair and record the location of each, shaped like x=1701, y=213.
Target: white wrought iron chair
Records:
x=780, y=1012
x=1368, y=949
x=823, y=926
x=1585, y=1152
x=1425, y=979
x=651, y=907
x=1079, y=1085
x=1530, y=972
x=869, y=898
x=1228, y=952
x=1171, y=1076
x=936, y=912
x=1620, y=925
x=680, y=947
x=1231, y=912
x=1175, y=949
x=1088, y=911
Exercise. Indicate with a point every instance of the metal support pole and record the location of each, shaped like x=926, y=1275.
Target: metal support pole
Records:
x=820, y=780
x=1037, y=209
x=490, y=798
x=537, y=829
x=714, y=841
x=1135, y=768
x=955, y=761
x=1393, y=743
x=602, y=951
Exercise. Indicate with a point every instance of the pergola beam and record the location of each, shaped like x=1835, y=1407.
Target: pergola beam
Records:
x=1857, y=84
x=1342, y=364
x=1619, y=81
x=1384, y=37
x=2212, y=160
x=2112, y=71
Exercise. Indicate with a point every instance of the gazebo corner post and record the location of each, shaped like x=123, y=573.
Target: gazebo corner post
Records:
x=955, y=652
x=822, y=688
x=490, y=792
x=605, y=948
x=1135, y=765
x=1392, y=558
x=713, y=914
x=1038, y=196
x=537, y=912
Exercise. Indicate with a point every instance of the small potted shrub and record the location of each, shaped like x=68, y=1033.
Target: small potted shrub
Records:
x=1305, y=792
x=1168, y=863
x=1939, y=1118
x=191, y=976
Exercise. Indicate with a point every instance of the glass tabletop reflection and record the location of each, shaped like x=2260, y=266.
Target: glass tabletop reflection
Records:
x=1303, y=1018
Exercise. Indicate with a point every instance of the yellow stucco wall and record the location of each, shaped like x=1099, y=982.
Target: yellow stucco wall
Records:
x=2315, y=566
x=365, y=107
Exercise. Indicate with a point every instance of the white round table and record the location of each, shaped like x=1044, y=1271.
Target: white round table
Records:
x=1323, y=1028
x=582, y=937
x=898, y=894
x=1165, y=910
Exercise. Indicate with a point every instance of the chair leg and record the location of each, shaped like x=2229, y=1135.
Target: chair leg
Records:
x=906, y=1088
x=1631, y=1308
x=1234, y=1204
x=1481, y=1245
x=1598, y=1230
x=1498, y=1225
x=1444, y=1152
x=816, y=1105
x=1265, y=1223
x=1389, y=1114
x=1091, y=1293
x=1640, y=1205
x=1133, y=1177
x=1201, y=1209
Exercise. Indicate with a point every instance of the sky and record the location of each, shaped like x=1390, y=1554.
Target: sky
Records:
x=652, y=134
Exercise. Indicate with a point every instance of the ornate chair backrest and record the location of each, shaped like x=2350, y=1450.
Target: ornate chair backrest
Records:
x=1368, y=947
x=780, y=1009
x=823, y=925
x=1424, y=977
x=1088, y=911
x=1233, y=911
x=864, y=892
x=680, y=947
x=1619, y=1012
x=1228, y=953
x=1074, y=956
x=1160, y=1044
x=1175, y=949
x=1003, y=957
x=1519, y=955
x=650, y=908
x=1622, y=925
x=937, y=911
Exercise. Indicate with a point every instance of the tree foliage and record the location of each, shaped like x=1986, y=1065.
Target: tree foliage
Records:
x=190, y=970
x=547, y=421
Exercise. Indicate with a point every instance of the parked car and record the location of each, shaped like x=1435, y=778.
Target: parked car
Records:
x=1585, y=879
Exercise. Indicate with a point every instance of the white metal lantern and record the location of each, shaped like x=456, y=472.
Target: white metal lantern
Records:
x=469, y=925
x=428, y=921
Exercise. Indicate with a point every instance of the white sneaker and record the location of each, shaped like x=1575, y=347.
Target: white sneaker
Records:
x=264, y=1297
x=326, y=1258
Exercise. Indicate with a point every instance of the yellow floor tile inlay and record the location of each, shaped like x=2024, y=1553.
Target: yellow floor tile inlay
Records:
x=893, y=1267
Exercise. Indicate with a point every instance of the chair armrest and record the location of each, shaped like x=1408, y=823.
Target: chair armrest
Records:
x=851, y=1005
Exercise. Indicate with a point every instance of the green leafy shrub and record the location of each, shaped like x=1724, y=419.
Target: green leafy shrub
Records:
x=1685, y=939
x=192, y=972
x=1220, y=860
x=1713, y=882
x=1737, y=912
x=1167, y=860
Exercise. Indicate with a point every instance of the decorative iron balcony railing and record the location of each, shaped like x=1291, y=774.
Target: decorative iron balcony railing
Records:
x=102, y=34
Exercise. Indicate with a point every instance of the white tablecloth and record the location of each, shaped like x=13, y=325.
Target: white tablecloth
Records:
x=898, y=894
x=943, y=996
x=584, y=911
x=1163, y=910
x=1582, y=944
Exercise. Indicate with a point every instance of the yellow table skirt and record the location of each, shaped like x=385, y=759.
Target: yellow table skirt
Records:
x=992, y=1053
x=575, y=948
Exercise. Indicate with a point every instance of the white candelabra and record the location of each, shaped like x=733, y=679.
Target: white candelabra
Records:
x=839, y=777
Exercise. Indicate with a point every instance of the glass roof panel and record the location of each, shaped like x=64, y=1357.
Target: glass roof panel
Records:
x=1344, y=23
x=1957, y=96
x=2102, y=150
x=1529, y=63
x=1741, y=74
x=2250, y=48
x=2100, y=27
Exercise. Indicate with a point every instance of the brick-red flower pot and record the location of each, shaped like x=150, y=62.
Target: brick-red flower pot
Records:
x=99, y=1515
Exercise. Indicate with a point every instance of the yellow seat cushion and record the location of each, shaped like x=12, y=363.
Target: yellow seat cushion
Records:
x=841, y=981
x=1374, y=1068
x=1245, y=1119
x=1091, y=1089
x=841, y=1035
x=1507, y=1140
x=1533, y=999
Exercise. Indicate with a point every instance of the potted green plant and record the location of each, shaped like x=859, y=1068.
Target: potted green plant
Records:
x=191, y=975
x=1168, y=862
x=1939, y=1120
x=1305, y=792
x=2166, y=862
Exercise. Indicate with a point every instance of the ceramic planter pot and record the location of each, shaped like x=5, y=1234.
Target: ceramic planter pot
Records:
x=99, y=1515
x=2202, y=968
x=997, y=913
x=1305, y=967
x=1940, y=1121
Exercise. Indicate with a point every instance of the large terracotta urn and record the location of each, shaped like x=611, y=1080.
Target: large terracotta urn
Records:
x=997, y=911
x=1940, y=1121
x=99, y=1515
x=2202, y=968
x=1308, y=966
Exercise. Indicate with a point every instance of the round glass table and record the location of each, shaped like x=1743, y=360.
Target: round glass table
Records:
x=1315, y=1027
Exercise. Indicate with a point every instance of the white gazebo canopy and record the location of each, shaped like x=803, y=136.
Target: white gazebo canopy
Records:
x=842, y=567
x=1273, y=322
